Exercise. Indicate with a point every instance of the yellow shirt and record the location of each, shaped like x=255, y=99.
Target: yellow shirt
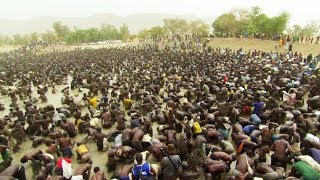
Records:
x=197, y=128
x=94, y=102
x=231, y=92
x=82, y=149
x=127, y=102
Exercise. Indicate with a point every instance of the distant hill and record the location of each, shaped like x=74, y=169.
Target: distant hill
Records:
x=136, y=22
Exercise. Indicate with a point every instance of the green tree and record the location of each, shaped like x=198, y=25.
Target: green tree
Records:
x=8, y=40
x=92, y=35
x=156, y=31
x=76, y=36
x=124, y=32
x=83, y=36
x=251, y=21
x=226, y=23
x=60, y=30
x=278, y=23
x=143, y=34
x=241, y=14
x=247, y=19
x=199, y=27
x=49, y=36
x=175, y=26
x=108, y=32
x=34, y=36
x=5, y=40
x=17, y=39
x=251, y=28
x=261, y=23
x=255, y=11
x=2, y=42
x=311, y=29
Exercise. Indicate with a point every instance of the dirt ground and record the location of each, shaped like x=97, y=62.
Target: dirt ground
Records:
x=264, y=45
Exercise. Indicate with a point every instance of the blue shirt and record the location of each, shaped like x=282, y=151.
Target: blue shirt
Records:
x=105, y=99
x=135, y=123
x=258, y=106
x=143, y=170
x=315, y=154
x=248, y=129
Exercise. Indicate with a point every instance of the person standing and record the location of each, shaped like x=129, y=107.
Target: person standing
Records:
x=290, y=47
x=170, y=163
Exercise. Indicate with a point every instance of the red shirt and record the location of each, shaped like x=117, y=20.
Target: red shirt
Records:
x=59, y=162
x=225, y=78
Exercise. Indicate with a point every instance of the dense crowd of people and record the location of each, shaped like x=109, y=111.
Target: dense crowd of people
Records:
x=274, y=37
x=161, y=113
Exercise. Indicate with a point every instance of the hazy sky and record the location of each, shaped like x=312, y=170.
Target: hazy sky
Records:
x=301, y=11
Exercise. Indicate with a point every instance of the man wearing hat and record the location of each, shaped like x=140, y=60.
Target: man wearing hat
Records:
x=170, y=163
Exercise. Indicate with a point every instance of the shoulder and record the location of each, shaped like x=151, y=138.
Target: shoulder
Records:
x=164, y=159
x=175, y=157
x=146, y=165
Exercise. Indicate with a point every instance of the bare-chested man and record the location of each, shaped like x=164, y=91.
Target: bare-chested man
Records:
x=65, y=145
x=98, y=174
x=99, y=138
x=265, y=171
x=84, y=170
x=281, y=150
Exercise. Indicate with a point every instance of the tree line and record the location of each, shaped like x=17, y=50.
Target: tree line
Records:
x=236, y=23
x=248, y=22
x=62, y=33
x=176, y=26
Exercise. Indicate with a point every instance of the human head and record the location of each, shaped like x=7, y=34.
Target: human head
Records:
x=18, y=125
x=64, y=120
x=24, y=159
x=171, y=149
x=119, y=153
x=65, y=134
x=139, y=158
x=214, y=157
x=96, y=169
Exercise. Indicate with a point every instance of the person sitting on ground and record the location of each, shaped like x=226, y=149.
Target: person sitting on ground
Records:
x=98, y=174
x=16, y=171
x=83, y=153
x=84, y=170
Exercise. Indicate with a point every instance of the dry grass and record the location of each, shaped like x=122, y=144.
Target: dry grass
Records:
x=264, y=45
